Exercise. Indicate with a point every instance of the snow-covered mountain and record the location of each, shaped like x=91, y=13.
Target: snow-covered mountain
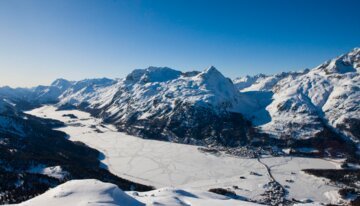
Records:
x=245, y=82
x=207, y=108
x=262, y=82
x=162, y=85
x=58, y=90
x=314, y=110
x=162, y=103
x=306, y=103
x=46, y=94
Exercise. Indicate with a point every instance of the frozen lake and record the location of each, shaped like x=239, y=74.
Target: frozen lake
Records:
x=165, y=164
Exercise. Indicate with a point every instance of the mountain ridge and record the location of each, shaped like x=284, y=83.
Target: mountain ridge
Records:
x=207, y=108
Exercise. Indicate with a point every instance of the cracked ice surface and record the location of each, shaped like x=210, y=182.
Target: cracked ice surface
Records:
x=164, y=164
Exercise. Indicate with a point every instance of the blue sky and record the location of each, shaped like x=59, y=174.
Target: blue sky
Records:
x=41, y=40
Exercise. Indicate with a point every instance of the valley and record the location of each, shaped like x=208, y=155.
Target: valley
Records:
x=161, y=134
x=164, y=164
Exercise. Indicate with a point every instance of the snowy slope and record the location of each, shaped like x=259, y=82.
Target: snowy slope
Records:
x=82, y=91
x=162, y=100
x=70, y=91
x=305, y=103
x=326, y=95
x=83, y=192
x=45, y=94
x=144, y=88
x=149, y=94
x=8, y=92
x=247, y=81
x=180, y=197
x=262, y=82
x=97, y=193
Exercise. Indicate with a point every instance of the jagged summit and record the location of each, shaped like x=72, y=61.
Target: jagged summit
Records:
x=61, y=83
x=346, y=63
x=314, y=100
x=211, y=69
x=153, y=74
x=217, y=85
x=211, y=73
x=247, y=81
x=356, y=50
x=326, y=96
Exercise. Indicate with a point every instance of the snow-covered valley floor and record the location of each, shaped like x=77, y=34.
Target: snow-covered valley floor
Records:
x=165, y=164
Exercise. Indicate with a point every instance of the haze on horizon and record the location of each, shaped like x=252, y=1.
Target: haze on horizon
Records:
x=43, y=40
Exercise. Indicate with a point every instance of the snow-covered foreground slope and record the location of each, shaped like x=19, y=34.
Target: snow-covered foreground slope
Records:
x=83, y=192
x=95, y=193
x=164, y=164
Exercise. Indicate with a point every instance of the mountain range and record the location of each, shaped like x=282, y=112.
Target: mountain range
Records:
x=316, y=107
x=314, y=112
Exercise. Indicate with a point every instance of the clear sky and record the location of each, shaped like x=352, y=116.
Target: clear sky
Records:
x=41, y=40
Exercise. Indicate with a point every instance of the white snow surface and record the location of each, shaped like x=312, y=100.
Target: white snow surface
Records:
x=180, y=197
x=164, y=164
x=247, y=81
x=55, y=171
x=83, y=91
x=155, y=91
x=304, y=102
x=96, y=193
x=83, y=193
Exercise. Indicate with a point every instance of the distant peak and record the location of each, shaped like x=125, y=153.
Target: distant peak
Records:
x=153, y=74
x=154, y=68
x=349, y=62
x=214, y=78
x=355, y=51
x=96, y=81
x=211, y=72
x=211, y=69
x=61, y=83
x=59, y=80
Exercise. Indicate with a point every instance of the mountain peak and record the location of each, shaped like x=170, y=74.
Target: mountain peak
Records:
x=61, y=83
x=212, y=73
x=153, y=74
x=356, y=50
x=349, y=62
x=211, y=69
